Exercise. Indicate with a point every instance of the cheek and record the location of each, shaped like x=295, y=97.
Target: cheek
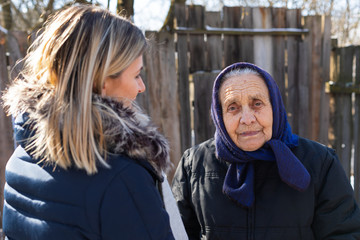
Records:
x=267, y=122
x=231, y=123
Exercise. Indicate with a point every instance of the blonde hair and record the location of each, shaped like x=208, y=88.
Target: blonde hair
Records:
x=78, y=48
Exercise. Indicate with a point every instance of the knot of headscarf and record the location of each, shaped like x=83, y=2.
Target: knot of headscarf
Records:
x=239, y=179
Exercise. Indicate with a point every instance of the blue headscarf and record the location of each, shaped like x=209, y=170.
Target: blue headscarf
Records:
x=239, y=179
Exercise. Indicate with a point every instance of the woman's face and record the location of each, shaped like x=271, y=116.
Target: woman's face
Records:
x=127, y=85
x=247, y=111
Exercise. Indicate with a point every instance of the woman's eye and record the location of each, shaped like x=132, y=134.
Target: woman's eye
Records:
x=258, y=103
x=232, y=108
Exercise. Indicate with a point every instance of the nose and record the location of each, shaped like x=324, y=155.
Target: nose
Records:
x=141, y=86
x=247, y=117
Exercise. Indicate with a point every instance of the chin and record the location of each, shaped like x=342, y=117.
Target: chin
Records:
x=250, y=147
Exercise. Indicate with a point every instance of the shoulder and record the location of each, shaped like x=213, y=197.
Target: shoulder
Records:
x=308, y=149
x=316, y=157
x=200, y=152
x=201, y=158
x=123, y=168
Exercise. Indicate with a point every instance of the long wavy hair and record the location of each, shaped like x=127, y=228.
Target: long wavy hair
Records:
x=76, y=50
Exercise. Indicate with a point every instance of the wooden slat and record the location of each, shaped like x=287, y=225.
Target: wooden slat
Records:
x=324, y=114
x=357, y=129
x=343, y=110
x=196, y=42
x=263, y=45
x=214, y=47
x=149, y=99
x=304, y=93
x=315, y=37
x=246, y=42
x=203, y=125
x=183, y=79
x=232, y=18
x=163, y=92
x=334, y=72
x=14, y=55
x=293, y=20
x=279, y=21
x=170, y=119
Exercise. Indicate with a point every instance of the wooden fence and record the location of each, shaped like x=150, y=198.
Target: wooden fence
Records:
x=182, y=65
x=345, y=114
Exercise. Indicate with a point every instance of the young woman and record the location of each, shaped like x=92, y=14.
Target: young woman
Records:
x=89, y=163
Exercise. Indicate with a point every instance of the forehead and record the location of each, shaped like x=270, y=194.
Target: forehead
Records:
x=249, y=84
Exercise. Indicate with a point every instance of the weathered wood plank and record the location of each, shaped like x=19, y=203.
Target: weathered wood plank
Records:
x=263, y=45
x=183, y=79
x=293, y=20
x=170, y=119
x=214, y=46
x=163, y=92
x=343, y=110
x=149, y=99
x=278, y=16
x=246, y=42
x=315, y=37
x=203, y=125
x=196, y=42
x=15, y=54
x=231, y=19
x=324, y=115
x=304, y=92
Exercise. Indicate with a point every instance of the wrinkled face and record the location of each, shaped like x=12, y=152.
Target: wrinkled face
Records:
x=127, y=85
x=247, y=111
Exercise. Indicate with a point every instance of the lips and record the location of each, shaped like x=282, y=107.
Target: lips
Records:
x=249, y=133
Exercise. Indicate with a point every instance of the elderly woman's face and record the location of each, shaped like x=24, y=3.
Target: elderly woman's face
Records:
x=247, y=111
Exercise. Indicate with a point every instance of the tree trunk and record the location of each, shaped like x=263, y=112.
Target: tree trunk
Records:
x=6, y=8
x=126, y=7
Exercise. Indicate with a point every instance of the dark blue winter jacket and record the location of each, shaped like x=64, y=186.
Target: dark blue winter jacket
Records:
x=47, y=203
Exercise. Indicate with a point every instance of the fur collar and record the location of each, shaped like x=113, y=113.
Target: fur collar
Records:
x=133, y=134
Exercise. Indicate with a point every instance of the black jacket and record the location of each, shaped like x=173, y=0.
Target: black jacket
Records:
x=326, y=210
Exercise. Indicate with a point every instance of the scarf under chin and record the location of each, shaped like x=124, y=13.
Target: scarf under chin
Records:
x=239, y=179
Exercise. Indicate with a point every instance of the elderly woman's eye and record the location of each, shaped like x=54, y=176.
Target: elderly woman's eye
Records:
x=258, y=103
x=232, y=108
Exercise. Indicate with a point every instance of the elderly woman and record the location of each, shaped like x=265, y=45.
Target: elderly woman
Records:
x=256, y=179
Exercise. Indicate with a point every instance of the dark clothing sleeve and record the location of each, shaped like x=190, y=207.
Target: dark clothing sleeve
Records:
x=336, y=215
x=140, y=215
x=182, y=193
